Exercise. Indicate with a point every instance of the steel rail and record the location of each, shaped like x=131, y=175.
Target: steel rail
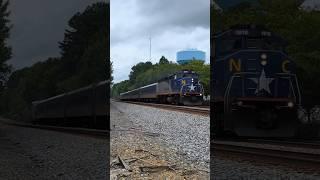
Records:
x=73, y=130
x=271, y=152
x=186, y=109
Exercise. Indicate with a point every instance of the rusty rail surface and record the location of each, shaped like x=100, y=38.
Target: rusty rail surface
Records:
x=186, y=109
x=281, y=151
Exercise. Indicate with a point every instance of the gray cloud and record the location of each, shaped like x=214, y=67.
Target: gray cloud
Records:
x=173, y=25
x=38, y=25
x=190, y=13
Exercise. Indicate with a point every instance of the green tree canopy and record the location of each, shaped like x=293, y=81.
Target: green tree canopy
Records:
x=163, y=60
x=5, y=50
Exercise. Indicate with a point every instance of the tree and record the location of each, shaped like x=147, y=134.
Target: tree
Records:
x=5, y=50
x=139, y=68
x=85, y=48
x=163, y=60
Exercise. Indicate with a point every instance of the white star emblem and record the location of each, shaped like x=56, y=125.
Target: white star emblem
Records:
x=192, y=87
x=263, y=82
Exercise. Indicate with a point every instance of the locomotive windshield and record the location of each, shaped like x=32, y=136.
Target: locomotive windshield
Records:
x=189, y=74
x=229, y=45
x=264, y=43
x=234, y=40
x=192, y=75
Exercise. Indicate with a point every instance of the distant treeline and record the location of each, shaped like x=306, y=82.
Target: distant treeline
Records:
x=145, y=73
x=83, y=61
x=300, y=28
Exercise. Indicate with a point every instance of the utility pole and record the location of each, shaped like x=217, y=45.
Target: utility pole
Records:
x=150, y=50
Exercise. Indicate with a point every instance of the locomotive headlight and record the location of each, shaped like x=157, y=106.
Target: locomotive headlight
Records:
x=290, y=104
x=263, y=56
x=192, y=80
x=263, y=62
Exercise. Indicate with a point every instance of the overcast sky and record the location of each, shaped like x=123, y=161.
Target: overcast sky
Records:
x=38, y=25
x=173, y=25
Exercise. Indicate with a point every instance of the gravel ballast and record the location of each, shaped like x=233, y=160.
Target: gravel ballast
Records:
x=186, y=133
x=28, y=153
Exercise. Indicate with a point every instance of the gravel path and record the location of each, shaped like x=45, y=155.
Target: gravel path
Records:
x=186, y=133
x=39, y=154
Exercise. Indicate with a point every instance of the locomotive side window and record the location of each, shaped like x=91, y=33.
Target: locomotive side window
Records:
x=179, y=75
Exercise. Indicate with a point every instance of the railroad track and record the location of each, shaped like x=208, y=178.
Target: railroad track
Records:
x=73, y=130
x=305, y=153
x=315, y=144
x=186, y=109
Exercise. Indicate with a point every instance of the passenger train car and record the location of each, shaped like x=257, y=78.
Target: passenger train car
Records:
x=85, y=107
x=255, y=88
x=180, y=88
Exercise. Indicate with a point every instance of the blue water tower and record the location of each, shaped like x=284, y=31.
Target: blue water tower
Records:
x=188, y=55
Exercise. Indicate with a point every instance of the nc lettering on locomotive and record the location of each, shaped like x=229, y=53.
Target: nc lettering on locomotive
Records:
x=235, y=64
x=285, y=66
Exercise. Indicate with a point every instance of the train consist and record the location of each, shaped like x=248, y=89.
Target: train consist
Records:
x=255, y=88
x=85, y=107
x=180, y=88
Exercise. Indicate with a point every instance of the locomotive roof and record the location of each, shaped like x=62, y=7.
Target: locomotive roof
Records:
x=153, y=84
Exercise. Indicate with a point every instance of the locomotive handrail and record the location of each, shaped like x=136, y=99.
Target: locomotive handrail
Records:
x=226, y=96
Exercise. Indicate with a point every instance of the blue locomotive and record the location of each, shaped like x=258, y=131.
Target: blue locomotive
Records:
x=255, y=88
x=182, y=87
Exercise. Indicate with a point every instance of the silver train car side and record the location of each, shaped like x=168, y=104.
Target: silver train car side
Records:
x=85, y=107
